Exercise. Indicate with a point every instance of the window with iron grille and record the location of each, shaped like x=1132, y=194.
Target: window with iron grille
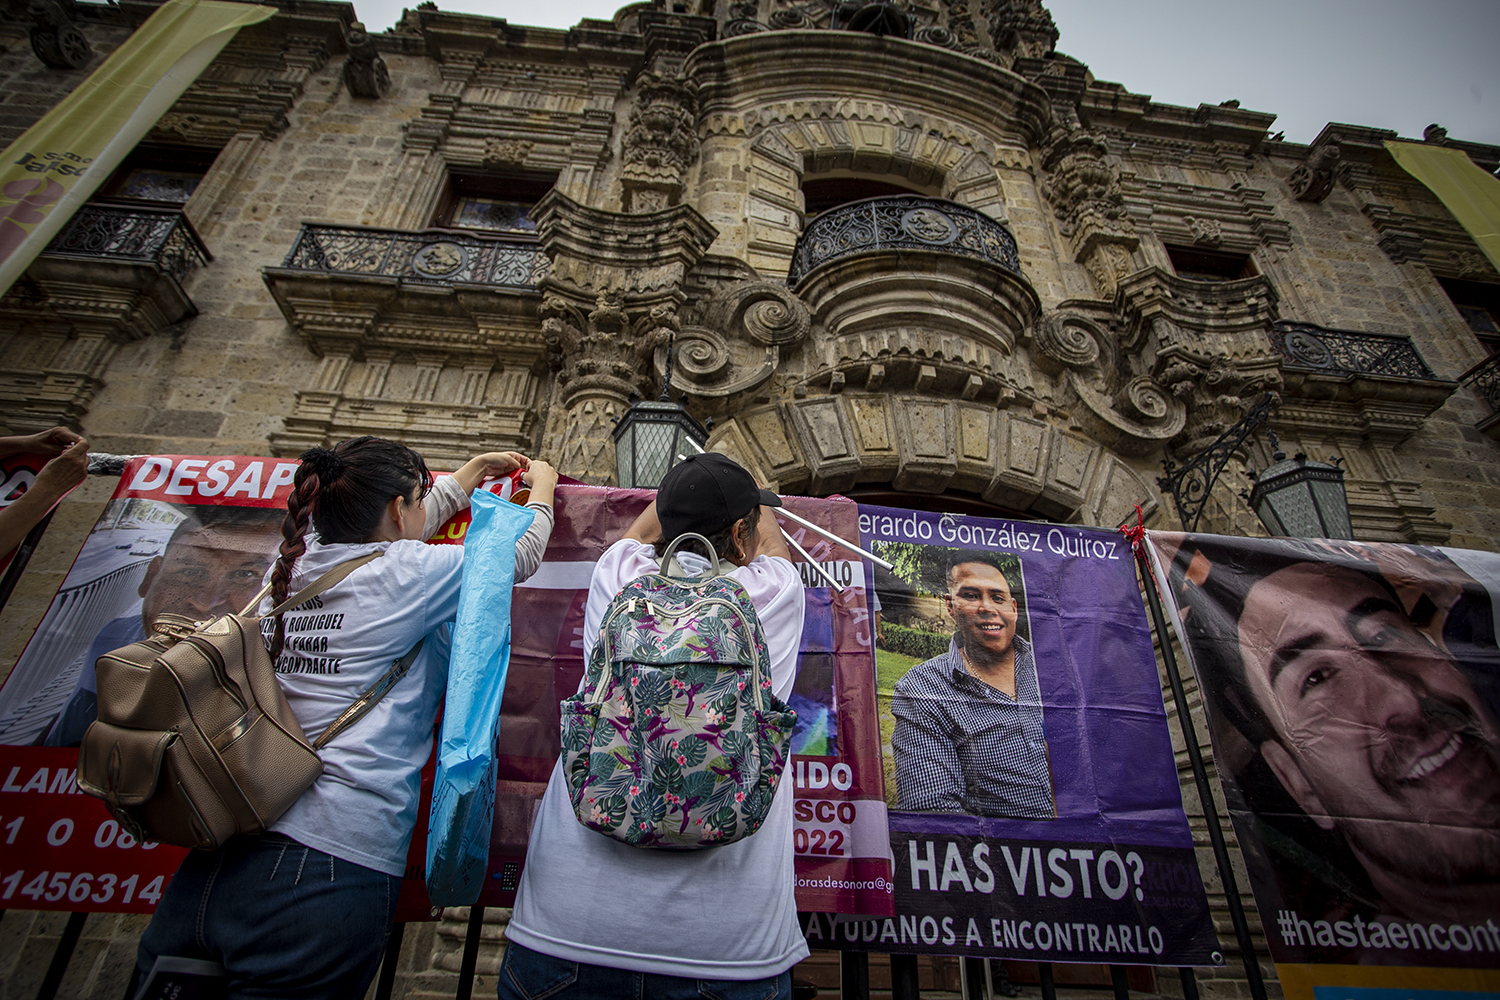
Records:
x=1478, y=302
x=1209, y=265
x=487, y=203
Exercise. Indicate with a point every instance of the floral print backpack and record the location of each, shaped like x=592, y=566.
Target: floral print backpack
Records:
x=676, y=741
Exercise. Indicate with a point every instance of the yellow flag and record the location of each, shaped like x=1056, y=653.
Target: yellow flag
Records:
x=55, y=166
x=1463, y=187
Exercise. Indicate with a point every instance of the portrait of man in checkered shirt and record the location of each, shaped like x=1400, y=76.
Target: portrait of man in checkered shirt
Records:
x=969, y=734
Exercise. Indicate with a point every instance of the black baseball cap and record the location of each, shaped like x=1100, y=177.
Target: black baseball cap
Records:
x=706, y=494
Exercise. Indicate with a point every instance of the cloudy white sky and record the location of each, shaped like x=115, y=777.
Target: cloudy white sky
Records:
x=1397, y=64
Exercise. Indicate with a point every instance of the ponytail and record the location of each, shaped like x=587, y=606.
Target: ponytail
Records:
x=343, y=493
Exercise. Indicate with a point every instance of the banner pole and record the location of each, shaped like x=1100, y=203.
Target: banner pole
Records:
x=1200, y=778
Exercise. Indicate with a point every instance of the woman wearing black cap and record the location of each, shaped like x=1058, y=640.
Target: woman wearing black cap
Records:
x=598, y=918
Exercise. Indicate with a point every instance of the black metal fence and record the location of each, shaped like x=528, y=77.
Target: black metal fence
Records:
x=440, y=257
x=1347, y=352
x=906, y=222
x=160, y=236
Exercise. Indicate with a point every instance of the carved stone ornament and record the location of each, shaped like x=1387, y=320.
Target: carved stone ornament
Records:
x=1206, y=232
x=1108, y=264
x=790, y=19
x=56, y=41
x=1085, y=193
x=742, y=26
x=760, y=311
x=934, y=34
x=661, y=142
x=365, y=73
x=1136, y=420
x=1314, y=180
x=439, y=260
x=1023, y=26
x=505, y=152
x=1065, y=340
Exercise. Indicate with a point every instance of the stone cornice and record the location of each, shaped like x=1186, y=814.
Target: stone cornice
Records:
x=740, y=76
x=1111, y=104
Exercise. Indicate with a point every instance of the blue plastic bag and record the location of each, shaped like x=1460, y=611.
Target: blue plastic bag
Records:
x=463, y=792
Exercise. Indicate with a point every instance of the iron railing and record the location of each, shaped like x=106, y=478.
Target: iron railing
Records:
x=1485, y=377
x=1347, y=352
x=440, y=257
x=906, y=222
x=160, y=236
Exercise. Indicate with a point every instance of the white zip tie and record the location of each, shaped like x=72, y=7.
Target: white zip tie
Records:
x=835, y=539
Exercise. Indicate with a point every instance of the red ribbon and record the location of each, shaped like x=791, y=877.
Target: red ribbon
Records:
x=1135, y=533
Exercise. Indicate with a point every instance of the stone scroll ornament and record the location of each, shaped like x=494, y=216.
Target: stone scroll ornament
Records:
x=745, y=327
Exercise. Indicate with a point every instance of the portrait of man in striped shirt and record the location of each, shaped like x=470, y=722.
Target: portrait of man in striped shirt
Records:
x=969, y=735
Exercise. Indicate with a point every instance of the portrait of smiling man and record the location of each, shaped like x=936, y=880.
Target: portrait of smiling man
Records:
x=969, y=735
x=1374, y=731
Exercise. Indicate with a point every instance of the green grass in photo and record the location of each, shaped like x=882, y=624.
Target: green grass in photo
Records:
x=889, y=668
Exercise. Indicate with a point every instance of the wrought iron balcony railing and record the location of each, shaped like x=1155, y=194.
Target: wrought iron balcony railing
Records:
x=160, y=236
x=1485, y=377
x=440, y=257
x=1347, y=352
x=905, y=222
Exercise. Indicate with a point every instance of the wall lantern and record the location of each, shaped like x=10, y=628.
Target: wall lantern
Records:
x=653, y=436
x=1295, y=498
x=1300, y=498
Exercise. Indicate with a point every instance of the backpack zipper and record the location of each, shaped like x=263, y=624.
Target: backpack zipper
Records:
x=215, y=660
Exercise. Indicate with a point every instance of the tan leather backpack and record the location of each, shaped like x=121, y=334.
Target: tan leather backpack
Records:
x=195, y=741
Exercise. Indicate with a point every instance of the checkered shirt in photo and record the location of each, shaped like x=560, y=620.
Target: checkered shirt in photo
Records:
x=962, y=746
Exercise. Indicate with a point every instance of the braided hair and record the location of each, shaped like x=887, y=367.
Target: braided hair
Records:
x=343, y=492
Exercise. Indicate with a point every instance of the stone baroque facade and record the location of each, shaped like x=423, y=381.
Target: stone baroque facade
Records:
x=1029, y=323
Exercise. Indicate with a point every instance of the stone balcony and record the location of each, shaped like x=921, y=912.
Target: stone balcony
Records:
x=112, y=276
x=914, y=292
x=429, y=337
x=1378, y=390
x=894, y=224
x=1349, y=366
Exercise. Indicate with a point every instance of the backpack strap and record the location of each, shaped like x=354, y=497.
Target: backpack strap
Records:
x=313, y=589
x=370, y=698
x=672, y=568
x=362, y=705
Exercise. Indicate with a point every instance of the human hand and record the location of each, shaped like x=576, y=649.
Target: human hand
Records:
x=65, y=471
x=51, y=442
x=539, y=475
x=494, y=464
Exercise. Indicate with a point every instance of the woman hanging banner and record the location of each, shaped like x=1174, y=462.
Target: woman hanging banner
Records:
x=195, y=535
x=840, y=837
x=1353, y=692
x=1036, y=811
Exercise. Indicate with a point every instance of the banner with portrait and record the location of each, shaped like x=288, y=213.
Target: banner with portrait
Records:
x=1352, y=692
x=194, y=535
x=1034, y=797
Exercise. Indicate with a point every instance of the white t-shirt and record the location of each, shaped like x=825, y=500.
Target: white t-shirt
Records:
x=364, y=805
x=720, y=913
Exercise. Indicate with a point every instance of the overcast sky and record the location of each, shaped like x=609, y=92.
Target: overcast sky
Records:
x=1397, y=64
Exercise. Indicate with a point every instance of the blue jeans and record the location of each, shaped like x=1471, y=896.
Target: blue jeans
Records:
x=530, y=975
x=283, y=919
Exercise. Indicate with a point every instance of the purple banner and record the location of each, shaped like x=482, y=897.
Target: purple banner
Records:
x=1035, y=810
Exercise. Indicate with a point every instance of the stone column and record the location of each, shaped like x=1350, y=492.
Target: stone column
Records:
x=609, y=302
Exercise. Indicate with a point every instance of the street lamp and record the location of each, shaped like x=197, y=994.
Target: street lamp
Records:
x=1301, y=498
x=653, y=436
